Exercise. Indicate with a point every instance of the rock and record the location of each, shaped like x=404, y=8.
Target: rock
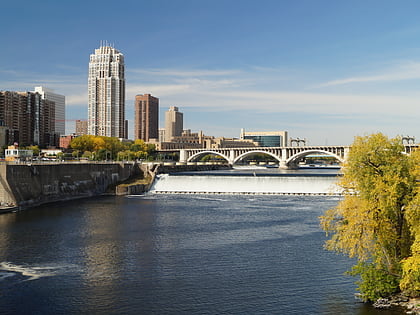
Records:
x=382, y=303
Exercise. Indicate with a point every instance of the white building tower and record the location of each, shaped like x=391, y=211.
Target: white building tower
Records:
x=60, y=107
x=174, y=123
x=106, y=93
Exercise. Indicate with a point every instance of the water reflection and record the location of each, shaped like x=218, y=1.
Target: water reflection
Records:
x=174, y=255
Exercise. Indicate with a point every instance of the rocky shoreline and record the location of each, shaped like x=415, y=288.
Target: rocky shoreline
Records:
x=412, y=305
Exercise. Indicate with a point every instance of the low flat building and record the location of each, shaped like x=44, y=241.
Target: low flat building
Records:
x=192, y=140
x=266, y=138
x=66, y=140
x=13, y=153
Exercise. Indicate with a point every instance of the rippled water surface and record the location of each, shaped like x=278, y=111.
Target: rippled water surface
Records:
x=174, y=254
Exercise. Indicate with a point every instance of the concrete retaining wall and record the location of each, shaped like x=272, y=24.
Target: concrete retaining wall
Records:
x=26, y=185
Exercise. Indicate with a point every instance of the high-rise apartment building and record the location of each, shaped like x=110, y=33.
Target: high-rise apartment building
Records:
x=106, y=93
x=146, y=117
x=30, y=119
x=81, y=127
x=60, y=107
x=174, y=123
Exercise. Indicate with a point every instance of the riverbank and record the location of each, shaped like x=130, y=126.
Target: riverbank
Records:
x=25, y=185
x=412, y=305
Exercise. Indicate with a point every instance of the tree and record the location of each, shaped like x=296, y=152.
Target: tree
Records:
x=371, y=223
x=410, y=281
x=35, y=149
x=83, y=143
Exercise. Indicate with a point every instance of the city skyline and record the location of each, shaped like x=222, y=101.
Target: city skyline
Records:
x=326, y=71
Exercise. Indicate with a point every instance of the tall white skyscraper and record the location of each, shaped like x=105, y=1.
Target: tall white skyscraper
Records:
x=60, y=107
x=106, y=93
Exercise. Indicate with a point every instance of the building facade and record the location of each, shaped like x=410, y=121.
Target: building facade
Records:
x=174, y=123
x=30, y=119
x=266, y=138
x=146, y=117
x=60, y=108
x=65, y=141
x=198, y=140
x=106, y=93
x=81, y=127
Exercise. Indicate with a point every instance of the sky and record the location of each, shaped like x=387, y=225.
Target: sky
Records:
x=324, y=70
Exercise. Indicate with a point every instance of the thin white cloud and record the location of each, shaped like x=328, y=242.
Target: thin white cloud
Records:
x=157, y=90
x=315, y=102
x=405, y=71
x=184, y=73
x=236, y=90
x=77, y=99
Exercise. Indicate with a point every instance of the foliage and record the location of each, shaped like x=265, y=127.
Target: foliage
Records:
x=76, y=153
x=83, y=143
x=370, y=223
x=35, y=149
x=110, y=148
x=375, y=283
x=410, y=282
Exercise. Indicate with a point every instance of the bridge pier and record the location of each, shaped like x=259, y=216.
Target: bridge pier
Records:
x=283, y=165
x=183, y=157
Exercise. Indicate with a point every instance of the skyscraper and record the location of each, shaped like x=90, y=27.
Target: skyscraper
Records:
x=146, y=117
x=29, y=118
x=174, y=123
x=106, y=93
x=60, y=103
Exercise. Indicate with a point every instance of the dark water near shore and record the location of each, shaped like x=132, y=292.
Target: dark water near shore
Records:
x=174, y=254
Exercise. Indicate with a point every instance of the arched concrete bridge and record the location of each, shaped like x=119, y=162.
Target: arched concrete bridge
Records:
x=288, y=157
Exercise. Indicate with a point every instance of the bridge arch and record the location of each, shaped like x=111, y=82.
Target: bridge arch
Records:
x=202, y=153
x=296, y=157
x=254, y=152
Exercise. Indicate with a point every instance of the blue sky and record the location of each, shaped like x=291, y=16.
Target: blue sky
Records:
x=322, y=70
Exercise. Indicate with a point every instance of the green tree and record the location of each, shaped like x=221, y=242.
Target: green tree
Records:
x=370, y=223
x=76, y=154
x=113, y=145
x=35, y=149
x=83, y=143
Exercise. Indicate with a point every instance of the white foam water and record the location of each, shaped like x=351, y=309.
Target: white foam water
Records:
x=286, y=185
x=8, y=269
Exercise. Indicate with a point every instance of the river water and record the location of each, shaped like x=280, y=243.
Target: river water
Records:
x=175, y=254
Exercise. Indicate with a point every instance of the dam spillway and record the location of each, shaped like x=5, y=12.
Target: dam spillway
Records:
x=248, y=182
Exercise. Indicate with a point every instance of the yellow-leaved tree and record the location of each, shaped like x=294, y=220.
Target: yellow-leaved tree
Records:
x=375, y=221
x=410, y=282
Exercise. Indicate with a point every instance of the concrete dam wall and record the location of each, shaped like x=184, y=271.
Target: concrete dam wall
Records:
x=24, y=185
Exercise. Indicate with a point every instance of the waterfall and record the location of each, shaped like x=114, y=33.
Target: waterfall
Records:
x=303, y=184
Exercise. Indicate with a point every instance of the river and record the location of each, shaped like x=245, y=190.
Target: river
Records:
x=175, y=254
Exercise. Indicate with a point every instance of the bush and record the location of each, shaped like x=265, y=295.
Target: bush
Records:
x=374, y=283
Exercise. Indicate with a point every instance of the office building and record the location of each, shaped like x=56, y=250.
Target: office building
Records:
x=174, y=123
x=60, y=110
x=146, y=117
x=106, y=93
x=266, y=138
